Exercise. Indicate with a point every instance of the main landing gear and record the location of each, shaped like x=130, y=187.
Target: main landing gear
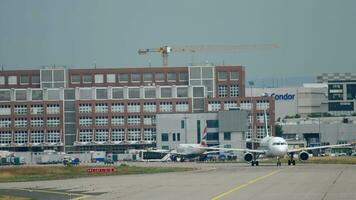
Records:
x=254, y=160
x=291, y=160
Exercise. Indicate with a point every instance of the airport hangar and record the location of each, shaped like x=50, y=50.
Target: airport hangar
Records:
x=114, y=109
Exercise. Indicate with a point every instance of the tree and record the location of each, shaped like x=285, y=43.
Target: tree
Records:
x=278, y=131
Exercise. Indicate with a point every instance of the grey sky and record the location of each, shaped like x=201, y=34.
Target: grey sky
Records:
x=314, y=36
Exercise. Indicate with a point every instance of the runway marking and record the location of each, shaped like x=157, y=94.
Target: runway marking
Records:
x=81, y=196
x=245, y=184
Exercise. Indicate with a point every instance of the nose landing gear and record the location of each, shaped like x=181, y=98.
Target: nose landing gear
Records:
x=291, y=160
x=279, y=163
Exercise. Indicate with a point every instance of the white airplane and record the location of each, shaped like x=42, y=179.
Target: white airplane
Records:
x=189, y=151
x=274, y=147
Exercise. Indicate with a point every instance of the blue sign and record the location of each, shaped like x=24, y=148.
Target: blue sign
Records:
x=284, y=97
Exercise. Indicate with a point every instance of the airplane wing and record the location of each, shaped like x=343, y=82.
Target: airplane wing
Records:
x=231, y=149
x=319, y=147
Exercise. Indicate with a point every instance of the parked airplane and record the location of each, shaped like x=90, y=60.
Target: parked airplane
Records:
x=274, y=147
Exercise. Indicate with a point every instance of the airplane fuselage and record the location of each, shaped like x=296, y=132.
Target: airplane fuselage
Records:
x=190, y=149
x=274, y=146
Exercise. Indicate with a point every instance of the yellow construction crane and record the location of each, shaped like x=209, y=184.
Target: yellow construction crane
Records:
x=165, y=50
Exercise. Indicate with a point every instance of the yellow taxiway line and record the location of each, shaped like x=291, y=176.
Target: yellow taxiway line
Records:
x=245, y=185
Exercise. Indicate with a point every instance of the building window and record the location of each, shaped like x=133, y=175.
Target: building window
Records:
x=53, y=109
x=172, y=77
x=212, y=136
x=149, y=107
x=20, y=109
x=35, y=79
x=133, y=107
x=117, y=93
x=166, y=92
x=214, y=106
x=134, y=93
x=21, y=95
x=183, y=77
x=101, y=108
x=2, y=80
x=159, y=77
x=173, y=137
x=149, y=134
x=261, y=133
x=85, y=108
x=150, y=93
x=149, y=120
x=85, y=121
x=260, y=117
x=87, y=78
x=234, y=90
x=182, y=107
x=147, y=77
x=117, y=120
x=182, y=123
x=24, y=80
x=5, y=122
x=134, y=135
x=164, y=137
x=118, y=135
x=178, y=137
x=165, y=107
x=123, y=78
x=227, y=135
x=53, y=121
x=75, y=78
x=37, y=137
x=182, y=92
x=351, y=91
x=53, y=136
x=117, y=107
x=234, y=75
x=37, y=122
x=262, y=105
x=135, y=77
x=12, y=80
x=99, y=78
x=133, y=120
x=5, y=110
x=101, y=135
x=245, y=105
x=21, y=137
x=101, y=93
x=212, y=123
x=101, y=121
x=110, y=78
x=37, y=95
x=85, y=135
x=5, y=137
x=230, y=105
x=222, y=75
x=222, y=90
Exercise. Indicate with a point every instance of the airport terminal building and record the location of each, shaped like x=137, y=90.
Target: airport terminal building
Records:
x=114, y=109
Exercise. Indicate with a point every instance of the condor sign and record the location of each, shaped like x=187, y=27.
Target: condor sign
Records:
x=284, y=97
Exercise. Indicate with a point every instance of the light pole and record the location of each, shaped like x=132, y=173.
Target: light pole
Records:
x=251, y=83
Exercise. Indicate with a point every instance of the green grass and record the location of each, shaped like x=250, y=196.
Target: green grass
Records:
x=6, y=197
x=35, y=173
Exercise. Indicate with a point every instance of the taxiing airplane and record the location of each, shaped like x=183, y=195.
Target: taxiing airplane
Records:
x=274, y=147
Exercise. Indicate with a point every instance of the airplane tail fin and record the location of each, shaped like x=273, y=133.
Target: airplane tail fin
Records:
x=203, y=139
x=265, y=122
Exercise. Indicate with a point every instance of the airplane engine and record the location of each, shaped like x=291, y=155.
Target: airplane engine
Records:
x=248, y=157
x=303, y=155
